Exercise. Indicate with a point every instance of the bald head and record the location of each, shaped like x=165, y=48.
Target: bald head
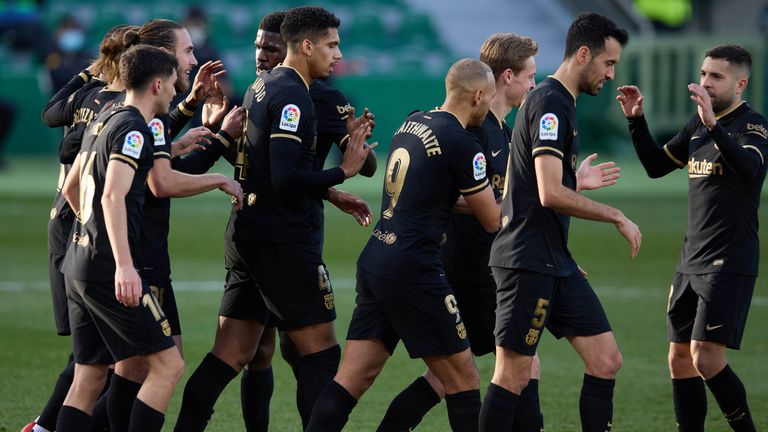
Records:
x=467, y=76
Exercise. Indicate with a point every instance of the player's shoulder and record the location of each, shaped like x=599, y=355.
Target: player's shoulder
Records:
x=550, y=94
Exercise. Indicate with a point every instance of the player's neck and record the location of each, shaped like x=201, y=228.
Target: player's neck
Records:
x=115, y=86
x=568, y=75
x=142, y=102
x=461, y=111
x=300, y=65
x=500, y=106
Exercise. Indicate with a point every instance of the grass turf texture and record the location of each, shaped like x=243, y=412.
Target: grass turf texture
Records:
x=634, y=294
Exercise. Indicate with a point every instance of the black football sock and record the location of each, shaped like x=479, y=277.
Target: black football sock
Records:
x=120, y=397
x=409, y=407
x=497, y=413
x=463, y=410
x=51, y=411
x=316, y=371
x=731, y=396
x=99, y=418
x=256, y=388
x=528, y=417
x=144, y=418
x=596, y=404
x=690, y=398
x=201, y=392
x=332, y=409
x=72, y=419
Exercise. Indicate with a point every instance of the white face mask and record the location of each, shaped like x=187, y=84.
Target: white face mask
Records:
x=71, y=40
x=198, y=35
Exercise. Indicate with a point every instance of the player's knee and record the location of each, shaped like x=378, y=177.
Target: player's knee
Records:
x=90, y=387
x=606, y=365
x=707, y=362
x=263, y=357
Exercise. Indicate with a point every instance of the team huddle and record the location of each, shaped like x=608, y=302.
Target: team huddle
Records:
x=468, y=257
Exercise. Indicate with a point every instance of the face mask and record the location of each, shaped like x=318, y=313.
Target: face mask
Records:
x=197, y=35
x=71, y=40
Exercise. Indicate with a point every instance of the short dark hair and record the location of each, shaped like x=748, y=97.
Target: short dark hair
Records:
x=307, y=22
x=272, y=22
x=141, y=64
x=733, y=54
x=591, y=30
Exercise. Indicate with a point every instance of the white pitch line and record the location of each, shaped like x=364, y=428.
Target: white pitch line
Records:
x=345, y=284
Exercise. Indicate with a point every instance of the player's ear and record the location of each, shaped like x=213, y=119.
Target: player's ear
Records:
x=507, y=74
x=584, y=54
x=477, y=96
x=306, y=47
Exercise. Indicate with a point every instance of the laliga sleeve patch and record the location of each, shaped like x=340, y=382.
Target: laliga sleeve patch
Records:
x=548, y=127
x=158, y=131
x=478, y=166
x=133, y=143
x=289, y=119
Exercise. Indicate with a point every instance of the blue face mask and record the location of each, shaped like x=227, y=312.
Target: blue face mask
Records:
x=71, y=40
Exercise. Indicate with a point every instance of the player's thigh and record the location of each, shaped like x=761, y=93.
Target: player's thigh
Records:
x=477, y=303
x=242, y=299
x=723, y=306
x=600, y=354
x=524, y=301
x=577, y=311
x=361, y=363
x=236, y=340
x=456, y=371
x=88, y=346
x=59, y=294
x=369, y=321
x=681, y=309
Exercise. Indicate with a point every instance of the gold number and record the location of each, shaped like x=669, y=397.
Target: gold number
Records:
x=241, y=160
x=506, y=179
x=397, y=168
x=150, y=301
x=450, y=303
x=87, y=187
x=540, y=313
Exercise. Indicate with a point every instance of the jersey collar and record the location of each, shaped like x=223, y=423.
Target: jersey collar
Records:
x=297, y=73
x=454, y=115
x=743, y=103
x=573, y=95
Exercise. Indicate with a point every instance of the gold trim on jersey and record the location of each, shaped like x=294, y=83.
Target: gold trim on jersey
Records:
x=719, y=116
x=573, y=95
x=481, y=186
x=223, y=140
x=162, y=154
x=446, y=111
x=125, y=159
x=547, y=148
x=184, y=110
x=671, y=156
x=751, y=147
x=84, y=76
x=343, y=142
x=498, y=120
x=297, y=72
x=279, y=135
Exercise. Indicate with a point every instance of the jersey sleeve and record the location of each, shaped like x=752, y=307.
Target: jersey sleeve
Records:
x=550, y=130
x=331, y=112
x=161, y=135
x=60, y=109
x=289, y=112
x=178, y=118
x=746, y=149
x=129, y=143
x=659, y=161
x=470, y=165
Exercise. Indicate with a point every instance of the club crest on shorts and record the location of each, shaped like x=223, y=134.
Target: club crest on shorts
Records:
x=532, y=337
x=461, y=331
x=289, y=119
x=157, y=129
x=166, y=328
x=328, y=300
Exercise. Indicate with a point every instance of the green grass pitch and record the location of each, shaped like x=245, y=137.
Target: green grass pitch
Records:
x=634, y=294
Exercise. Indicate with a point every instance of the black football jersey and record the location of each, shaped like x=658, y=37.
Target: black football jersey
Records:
x=119, y=135
x=467, y=245
x=432, y=160
x=722, y=233
x=533, y=237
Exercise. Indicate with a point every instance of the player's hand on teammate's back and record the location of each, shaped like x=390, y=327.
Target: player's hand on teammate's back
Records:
x=352, y=204
x=205, y=80
x=590, y=177
x=231, y=187
x=215, y=107
x=233, y=122
x=127, y=286
x=354, y=122
x=631, y=232
x=704, y=104
x=194, y=139
x=631, y=101
x=357, y=150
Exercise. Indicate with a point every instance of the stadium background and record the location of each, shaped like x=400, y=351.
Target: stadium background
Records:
x=395, y=55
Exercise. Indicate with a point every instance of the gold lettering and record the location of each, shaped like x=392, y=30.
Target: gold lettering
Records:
x=425, y=134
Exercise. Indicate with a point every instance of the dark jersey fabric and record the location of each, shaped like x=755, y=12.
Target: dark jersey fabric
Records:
x=432, y=160
x=467, y=245
x=276, y=165
x=533, y=237
x=722, y=233
x=120, y=135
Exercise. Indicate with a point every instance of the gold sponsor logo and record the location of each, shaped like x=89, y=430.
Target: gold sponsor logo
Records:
x=758, y=128
x=166, y=327
x=343, y=109
x=461, y=331
x=701, y=168
x=328, y=300
x=81, y=240
x=251, y=199
x=386, y=237
x=497, y=182
x=574, y=159
x=532, y=337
